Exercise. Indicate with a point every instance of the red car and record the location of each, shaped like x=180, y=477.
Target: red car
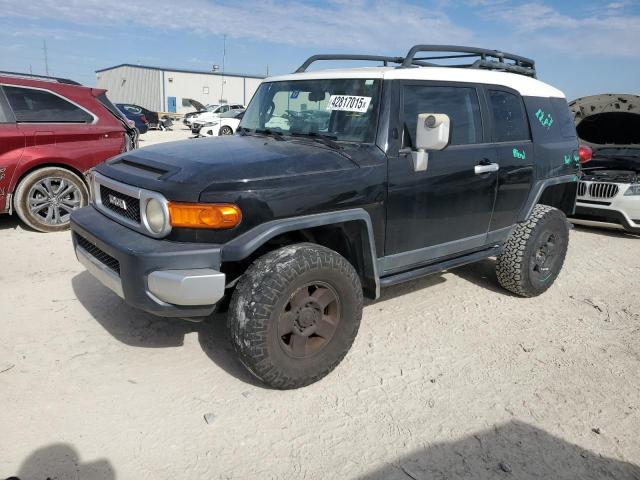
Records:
x=52, y=131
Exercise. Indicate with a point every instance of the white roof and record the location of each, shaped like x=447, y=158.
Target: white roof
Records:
x=527, y=86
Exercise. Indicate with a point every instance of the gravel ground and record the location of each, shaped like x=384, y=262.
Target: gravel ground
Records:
x=450, y=377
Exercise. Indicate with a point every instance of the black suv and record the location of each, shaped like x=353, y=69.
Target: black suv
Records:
x=338, y=183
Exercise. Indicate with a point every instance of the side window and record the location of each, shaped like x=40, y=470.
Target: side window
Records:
x=224, y=108
x=509, y=119
x=460, y=103
x=39, y=106
x=132, y=109
x=5, y=116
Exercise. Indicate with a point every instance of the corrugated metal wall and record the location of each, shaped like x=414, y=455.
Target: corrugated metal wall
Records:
x=141, y=86
x=207, y=89
x=150, y=88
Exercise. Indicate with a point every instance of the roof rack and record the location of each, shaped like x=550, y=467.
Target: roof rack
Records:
x=44, y=78
x=482, y=58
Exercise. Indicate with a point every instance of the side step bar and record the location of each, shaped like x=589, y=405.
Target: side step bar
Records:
x=440, y=266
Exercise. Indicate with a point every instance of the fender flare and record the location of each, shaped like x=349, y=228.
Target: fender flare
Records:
x=244, y=245
x=537, y=190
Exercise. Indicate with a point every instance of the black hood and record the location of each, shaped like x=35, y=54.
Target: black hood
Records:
x=182, y=170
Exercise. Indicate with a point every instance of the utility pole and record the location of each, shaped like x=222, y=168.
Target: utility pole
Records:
x=224, y=55
x=267, y=70
x=46, y=58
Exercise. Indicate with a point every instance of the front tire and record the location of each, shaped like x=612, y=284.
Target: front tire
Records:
x=46, y=197
x=226, y=130
x=295, y=314
x=534, y=252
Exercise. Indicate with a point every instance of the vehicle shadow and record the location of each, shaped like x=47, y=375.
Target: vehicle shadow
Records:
x=61, y=461
x=512, y=450
x=607, y=232
x=482, y=274
x=11, y=222
x=140, y=329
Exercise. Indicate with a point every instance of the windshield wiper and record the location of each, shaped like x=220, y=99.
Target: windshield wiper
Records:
x=269, y=133
x=327, y=140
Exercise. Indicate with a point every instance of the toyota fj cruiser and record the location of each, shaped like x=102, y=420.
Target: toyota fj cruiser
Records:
x=338, y=183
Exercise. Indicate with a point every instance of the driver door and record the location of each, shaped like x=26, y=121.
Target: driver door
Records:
x=446, y=209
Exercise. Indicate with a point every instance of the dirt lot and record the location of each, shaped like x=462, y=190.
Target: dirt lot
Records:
x=450, y=377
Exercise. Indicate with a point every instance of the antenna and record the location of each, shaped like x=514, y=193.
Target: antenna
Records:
x=46, y=58
x=224, y=55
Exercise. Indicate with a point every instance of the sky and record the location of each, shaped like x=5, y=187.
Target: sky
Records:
x=583, y=47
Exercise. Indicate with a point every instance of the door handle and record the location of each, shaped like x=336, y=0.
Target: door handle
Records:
x=488, y=168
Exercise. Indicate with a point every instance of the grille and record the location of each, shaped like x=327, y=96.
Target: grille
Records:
x=582, y=189
x=98, y=254
x=603, y=190
x=132, y=212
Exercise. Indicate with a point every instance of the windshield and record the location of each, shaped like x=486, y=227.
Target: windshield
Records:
x=341, y=109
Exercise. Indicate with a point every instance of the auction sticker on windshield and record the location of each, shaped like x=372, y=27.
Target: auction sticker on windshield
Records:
x=348, y=103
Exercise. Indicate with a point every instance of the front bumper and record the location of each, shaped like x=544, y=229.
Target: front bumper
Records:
x=622, y=210
x=165, y=278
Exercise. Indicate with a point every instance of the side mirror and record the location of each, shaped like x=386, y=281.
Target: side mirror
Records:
x=432, y=133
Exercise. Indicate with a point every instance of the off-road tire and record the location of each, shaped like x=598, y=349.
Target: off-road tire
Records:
x=513, y=266
x=263, y=293
x=20, y=200
x=225, y=130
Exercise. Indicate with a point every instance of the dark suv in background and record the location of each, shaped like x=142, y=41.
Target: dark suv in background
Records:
x=53, y=130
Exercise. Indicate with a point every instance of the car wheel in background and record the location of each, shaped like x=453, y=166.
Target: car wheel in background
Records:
x=46, y=197
x=226, y=130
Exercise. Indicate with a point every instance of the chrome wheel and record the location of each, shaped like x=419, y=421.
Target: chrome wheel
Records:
x=52, y=199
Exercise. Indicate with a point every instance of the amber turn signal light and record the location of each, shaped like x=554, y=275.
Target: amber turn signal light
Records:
x=204, y=215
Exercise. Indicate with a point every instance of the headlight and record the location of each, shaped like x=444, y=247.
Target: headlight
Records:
x=210, y=124
x=156, y=217
x=633, y=190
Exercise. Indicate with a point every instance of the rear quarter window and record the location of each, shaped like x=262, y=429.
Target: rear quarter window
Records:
x=40, y=106
x=509, y=118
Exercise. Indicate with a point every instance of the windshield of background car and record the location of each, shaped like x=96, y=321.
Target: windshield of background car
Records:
x=342, y=109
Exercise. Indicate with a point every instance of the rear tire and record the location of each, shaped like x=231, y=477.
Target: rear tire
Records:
x=294, y=315
x=534, y=252
x=46, y=197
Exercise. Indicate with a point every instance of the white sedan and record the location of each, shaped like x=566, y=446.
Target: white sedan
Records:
x=212, y=113
x=226, y=124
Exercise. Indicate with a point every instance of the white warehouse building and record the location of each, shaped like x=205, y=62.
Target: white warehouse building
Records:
x=169, y=89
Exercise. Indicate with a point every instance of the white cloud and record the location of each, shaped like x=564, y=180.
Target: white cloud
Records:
x=610, y=34
x=361, y=25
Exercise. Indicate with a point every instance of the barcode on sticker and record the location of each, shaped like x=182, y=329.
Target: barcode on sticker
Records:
x=348, y=103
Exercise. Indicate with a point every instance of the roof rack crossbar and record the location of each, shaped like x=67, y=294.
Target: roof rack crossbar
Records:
x=368, y=58
x=485, y=59
x=40, y=77
x=441, y=57
x=489, y=59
